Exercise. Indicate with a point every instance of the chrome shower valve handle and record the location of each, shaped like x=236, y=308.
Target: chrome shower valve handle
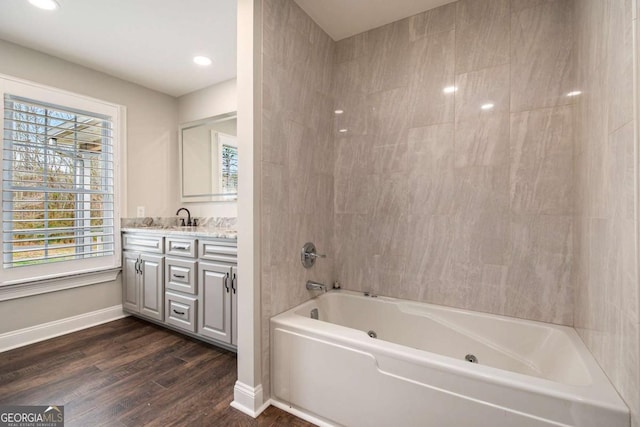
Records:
x=308, y=255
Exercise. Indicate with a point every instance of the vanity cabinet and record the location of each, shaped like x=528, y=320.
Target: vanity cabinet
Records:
x=190, y=285
x=218, y=277
x=217, y=297
x=143, y=284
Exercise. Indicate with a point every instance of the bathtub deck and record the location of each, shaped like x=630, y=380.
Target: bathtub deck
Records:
x=130, y=373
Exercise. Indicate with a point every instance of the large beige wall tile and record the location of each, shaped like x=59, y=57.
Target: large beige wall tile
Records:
x=431, y=194
x=432, y=21
x=542, y=67
x=482, y=34
x=353, y=156
x=537, y=241
x=387, y=56
x=430, y=249
x=278, y=131
x=482, y=142
x=482, y=215
x=352, y=250
x=430, y=149
x=391, y=158
x=350, y=48
x=388, y=116
x=431, y=181
x=355, y=194
x=542, y=161
x=619, y=66
x=520, y=5
x=478, y=88
x=432, y=69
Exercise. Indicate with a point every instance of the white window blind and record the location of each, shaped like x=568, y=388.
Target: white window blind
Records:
x=60, y=185
x=228, y=155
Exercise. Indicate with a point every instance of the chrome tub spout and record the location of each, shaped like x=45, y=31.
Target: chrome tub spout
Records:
x=315, y=286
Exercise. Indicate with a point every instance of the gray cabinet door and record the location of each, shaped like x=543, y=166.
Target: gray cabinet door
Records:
x=130, y=282
x=152, y=286
x=214, y=314
x=234, y=306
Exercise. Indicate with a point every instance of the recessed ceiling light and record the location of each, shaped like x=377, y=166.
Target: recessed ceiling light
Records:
x=575, y=93
x=45, y=4
x=339, y=111
x=342, y=130
x=450, y=89
x=202, y=60
x=488, y=106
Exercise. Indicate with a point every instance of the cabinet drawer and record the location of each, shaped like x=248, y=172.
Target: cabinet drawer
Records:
x=144, y=243
x=218, y=251
x=180, y=311
x=182, y=247
x=180, y=275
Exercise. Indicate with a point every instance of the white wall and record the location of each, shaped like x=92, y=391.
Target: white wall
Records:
x=152, y=123
x=248, y=393
x=152, y=168
x=211, y=101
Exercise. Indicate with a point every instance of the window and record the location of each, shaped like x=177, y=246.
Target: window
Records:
x=59, y=184
x=228, y=155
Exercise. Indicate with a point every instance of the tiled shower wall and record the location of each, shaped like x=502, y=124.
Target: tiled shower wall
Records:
x=503, y=210
x=439, y=200
x=606, y=278
x=297, y=159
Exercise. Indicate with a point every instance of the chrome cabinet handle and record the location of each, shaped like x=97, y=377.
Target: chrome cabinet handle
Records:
x=183, y=248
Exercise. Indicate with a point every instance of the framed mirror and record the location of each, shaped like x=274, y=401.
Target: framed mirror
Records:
x=209, y=159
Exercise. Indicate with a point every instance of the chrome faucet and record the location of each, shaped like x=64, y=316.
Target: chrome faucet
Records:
x=315, y=286
x=189, y=224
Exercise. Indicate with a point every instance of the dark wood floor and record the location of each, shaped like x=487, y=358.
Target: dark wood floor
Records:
x=130, y=373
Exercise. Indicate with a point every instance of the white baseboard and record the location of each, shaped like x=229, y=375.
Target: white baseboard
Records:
x=249, y=399
x=298, y=413
x=45, y=331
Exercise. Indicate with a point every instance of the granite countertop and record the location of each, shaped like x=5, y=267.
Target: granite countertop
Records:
x=208, y=227
x=189, y=231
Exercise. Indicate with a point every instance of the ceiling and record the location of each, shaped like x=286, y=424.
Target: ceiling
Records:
x=148, y=42
x=344, y=18
x=152, y=42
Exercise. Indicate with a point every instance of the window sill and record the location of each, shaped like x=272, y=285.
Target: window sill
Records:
x=21, y=290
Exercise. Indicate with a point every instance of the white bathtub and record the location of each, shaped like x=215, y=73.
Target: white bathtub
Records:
x=331, y=372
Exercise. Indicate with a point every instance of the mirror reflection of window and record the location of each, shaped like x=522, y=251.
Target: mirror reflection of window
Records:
x=228, y=157
x=209, y=159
